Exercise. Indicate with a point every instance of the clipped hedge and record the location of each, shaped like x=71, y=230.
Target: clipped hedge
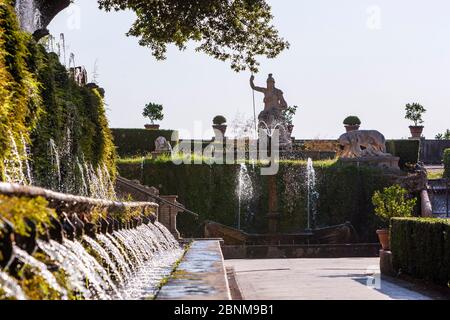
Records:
x=210, y=190
x=447, y=163
x=421, y=248
x=138, y=142
x=407, y=150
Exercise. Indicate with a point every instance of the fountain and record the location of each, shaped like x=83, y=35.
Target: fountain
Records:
x=128, y=261
x=244, y=190
x=312, y=194
x=29, y=15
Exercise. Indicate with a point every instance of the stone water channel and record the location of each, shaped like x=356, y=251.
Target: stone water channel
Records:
x=117, y=261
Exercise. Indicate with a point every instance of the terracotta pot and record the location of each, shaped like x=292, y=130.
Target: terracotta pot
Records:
x=384, y=237
x=222, y=128
x=416, y=131
x=353, y=127
x=152, y=126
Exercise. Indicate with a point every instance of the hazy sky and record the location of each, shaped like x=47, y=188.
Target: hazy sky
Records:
x=367, y=58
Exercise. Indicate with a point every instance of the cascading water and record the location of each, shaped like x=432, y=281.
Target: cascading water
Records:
x=126, y=264
x=9, y=288
x=29, y=15
x=244, y=190
x=312, y=194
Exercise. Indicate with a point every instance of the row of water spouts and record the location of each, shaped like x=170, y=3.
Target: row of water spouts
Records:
x=126, y=264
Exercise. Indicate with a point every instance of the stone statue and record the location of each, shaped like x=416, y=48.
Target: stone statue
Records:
x=363, y=143
x=162, y=145
x=274, y=105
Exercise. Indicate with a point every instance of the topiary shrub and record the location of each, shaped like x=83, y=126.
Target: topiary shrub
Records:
x=447, y=163
x=219, y=120
x=352, y=121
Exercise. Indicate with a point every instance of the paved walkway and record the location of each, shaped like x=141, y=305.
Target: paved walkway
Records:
x=316, y=279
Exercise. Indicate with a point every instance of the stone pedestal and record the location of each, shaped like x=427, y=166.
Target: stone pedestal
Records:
x=386, y=266
x=273, y=216
x=168, y=215
x=387, y=162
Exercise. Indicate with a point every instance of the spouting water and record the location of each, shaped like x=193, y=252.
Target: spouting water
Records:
x=10, y=288
x=127, y=264
x=244, y=190
x=312, y=194
x=29, y=15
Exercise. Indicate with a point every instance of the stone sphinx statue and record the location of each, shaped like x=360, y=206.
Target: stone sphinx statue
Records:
x=363, y=143
x=162, y=145
x=274, y=104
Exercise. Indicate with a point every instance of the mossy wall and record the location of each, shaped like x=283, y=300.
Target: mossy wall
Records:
x=39, y=102
x=210, y=190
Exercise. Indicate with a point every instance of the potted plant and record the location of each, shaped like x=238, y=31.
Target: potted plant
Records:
x=352, y=123
x=288, y=115
x=414, y=113
x=389, y=203
x=219, y=125
x=153, y=111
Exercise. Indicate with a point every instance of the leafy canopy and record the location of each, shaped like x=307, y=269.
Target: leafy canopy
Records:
x=153, y=111
x=414, y=113
x=228, y=30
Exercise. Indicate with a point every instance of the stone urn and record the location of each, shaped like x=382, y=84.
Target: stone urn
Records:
x=353, y=127
x=384, y=237
x=416, y=131
x=152, y=126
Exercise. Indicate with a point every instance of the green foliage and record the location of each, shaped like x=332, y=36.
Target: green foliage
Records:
x=393, y=202
x=20, y=103
x=407, y=150
x=289, y=113
x=421, y=248
x=219, y=120
x=414, y=113
x=447, y=163
x=352, y=121
x=153, y=111
x=139, y=142
x=443, y=136
x=18, y=210
x=237, y=31
x=39, y=102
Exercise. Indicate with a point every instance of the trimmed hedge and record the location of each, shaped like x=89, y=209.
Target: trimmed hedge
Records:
x=421, y=248
x=138, y=142
x=407, y=150
x=447, y=163
x=345, y=193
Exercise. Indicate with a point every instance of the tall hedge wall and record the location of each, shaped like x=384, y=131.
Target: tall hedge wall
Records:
x=447, y=163
x=407, y=150
x=138, y=142
x=345, y=193
x=421, y=248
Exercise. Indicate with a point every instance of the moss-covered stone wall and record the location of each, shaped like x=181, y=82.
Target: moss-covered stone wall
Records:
x=39, y=102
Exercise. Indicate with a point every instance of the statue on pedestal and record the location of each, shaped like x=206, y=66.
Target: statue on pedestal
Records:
x=272, y=117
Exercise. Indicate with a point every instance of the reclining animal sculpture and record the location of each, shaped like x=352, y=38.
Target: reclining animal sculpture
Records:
x=363, y=143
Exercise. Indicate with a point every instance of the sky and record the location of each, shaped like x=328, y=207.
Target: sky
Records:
x=348, y=57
